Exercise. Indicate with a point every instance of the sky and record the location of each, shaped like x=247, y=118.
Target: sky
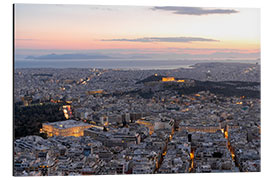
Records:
x=148, y=32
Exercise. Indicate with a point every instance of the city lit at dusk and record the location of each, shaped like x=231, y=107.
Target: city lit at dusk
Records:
x=117, y=90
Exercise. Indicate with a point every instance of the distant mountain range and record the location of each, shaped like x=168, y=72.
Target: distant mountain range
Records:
x=70, y=56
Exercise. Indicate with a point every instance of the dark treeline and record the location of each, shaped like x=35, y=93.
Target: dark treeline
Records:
x=150, y=79
x=224, y=88
x=28, y=119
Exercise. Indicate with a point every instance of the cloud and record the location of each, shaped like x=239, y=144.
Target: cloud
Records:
x=164, y=39
x=194, y=10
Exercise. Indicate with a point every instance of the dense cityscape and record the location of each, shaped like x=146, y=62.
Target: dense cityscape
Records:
x=93, y=121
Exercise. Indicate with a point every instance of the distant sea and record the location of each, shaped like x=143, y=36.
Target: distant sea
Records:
x=115, y=64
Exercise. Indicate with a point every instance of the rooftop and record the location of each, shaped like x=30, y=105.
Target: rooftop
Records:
x=66, y=124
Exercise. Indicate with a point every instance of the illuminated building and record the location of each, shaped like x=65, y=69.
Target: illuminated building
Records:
x=69, y=102
x=98, y=91
x=191, y=155
x=209, y=129
x=166, y=79
x=148, y=124
x=65, y=128
x=172, y=79
x=26, y=100
x=163, y=125
x=67, y=111
x=111, y=139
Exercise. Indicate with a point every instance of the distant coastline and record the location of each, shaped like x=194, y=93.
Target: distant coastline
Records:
x=68, y=56
x=117, y=64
